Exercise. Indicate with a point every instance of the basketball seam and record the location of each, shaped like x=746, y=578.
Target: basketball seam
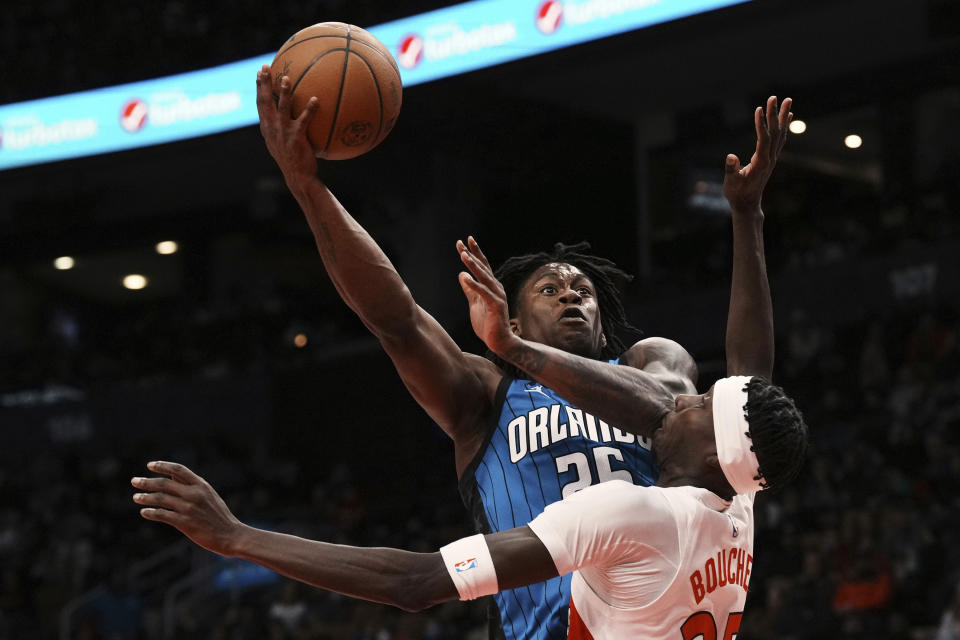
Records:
x=376, y=83
x=336, y=109
x=329, y=35
x=388, y=57
x=307, y=70
x=310, y=66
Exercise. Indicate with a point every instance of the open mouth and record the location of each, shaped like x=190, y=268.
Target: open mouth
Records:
x=572, y=313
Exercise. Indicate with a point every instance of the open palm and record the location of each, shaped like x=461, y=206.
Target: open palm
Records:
x=489, y=311
x=743, y=186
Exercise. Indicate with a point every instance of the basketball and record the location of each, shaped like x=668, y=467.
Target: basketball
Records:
x=355, y=80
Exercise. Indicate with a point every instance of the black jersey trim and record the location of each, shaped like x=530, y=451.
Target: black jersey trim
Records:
x=493, y=420
x=470, y=494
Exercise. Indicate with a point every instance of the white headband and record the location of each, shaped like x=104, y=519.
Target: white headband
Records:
x=730, y=429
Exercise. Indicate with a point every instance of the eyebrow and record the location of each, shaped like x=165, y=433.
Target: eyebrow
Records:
x=554, y=274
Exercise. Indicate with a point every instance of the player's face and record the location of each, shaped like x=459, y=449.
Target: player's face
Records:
x=557, y=306
x=687, y=431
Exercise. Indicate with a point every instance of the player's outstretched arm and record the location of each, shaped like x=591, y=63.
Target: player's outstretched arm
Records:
x=750, y=339
x=404, y=579
x=630, y=398
x=443, y=379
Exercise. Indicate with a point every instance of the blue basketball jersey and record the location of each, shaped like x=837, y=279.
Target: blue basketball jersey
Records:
x=540, y=449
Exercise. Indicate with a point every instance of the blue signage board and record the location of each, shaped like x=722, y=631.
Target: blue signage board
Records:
x=429, y=46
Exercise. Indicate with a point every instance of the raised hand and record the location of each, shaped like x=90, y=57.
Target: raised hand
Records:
x=743, y=187
x=489, y=311
x=186, y=501
x=285, y=136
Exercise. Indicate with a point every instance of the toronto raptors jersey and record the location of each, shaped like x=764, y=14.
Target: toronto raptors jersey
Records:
x=651, y=562
x=539, y=450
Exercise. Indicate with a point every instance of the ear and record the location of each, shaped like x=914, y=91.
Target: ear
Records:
x=603, y=340
x=713, y=461
x=515, y=326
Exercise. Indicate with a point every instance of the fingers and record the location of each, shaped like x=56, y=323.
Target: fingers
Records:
x=785, y=118
x=475, y=250
x=176, y=471
x=473, y=289
x=162, y=500
x=773, y=125
x=777, y=119
x=264, y=91
x=166, y=485
x=786, y=128
x=269, y=104
x=306, y=116
x=465, y=257
x=172, y=518
x=732, y=164
x=763, y=135
x=283, y=102
x=785, y=115
x=165, y=501
x=468, y=284
x=480, y=269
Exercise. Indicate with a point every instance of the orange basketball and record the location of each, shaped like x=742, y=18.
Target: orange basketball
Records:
x=355, y=79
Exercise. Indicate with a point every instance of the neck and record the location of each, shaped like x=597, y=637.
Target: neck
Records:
x=680, y=478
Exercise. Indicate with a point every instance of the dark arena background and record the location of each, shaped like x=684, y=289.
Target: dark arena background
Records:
x=618, y=141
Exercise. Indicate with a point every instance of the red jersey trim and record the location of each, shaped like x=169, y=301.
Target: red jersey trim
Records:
x=577, y=630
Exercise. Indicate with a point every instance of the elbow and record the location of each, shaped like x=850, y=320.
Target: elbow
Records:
x=411, y=606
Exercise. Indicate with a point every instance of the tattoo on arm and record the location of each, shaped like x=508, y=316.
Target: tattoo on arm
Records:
x=527, y=359
x=327, y=247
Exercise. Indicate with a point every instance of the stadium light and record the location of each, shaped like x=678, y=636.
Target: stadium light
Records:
x=167, y=247
x=134, y=281
x=63, y=263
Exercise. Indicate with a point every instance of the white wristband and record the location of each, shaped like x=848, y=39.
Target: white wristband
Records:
x=470, y=567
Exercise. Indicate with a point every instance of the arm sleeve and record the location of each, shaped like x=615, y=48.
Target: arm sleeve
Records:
x=605, y=524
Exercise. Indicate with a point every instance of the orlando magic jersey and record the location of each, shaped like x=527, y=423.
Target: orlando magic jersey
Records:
x=540, y=449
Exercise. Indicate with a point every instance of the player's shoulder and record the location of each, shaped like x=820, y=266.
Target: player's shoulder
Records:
x=656, y=349
x=488, y=372
x=624, y=498
x=666, y=359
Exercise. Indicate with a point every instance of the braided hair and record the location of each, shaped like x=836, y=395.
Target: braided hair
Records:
x=779, y=434
x=607, y=278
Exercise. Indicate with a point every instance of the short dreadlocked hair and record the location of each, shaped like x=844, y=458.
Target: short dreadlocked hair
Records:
x=780, y=436
x=607, y=278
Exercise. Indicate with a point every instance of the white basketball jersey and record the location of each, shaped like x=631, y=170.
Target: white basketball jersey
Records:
x=651, y=562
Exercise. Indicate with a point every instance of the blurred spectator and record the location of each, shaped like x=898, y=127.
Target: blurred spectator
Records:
x=949, y=628
x=288, y=614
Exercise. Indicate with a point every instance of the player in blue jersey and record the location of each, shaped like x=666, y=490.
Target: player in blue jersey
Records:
x=563, y=438
x=540, y=447
x=567, y=300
